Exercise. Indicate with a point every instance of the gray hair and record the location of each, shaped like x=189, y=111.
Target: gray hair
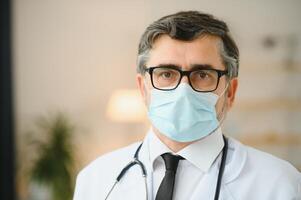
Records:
x=187, y=26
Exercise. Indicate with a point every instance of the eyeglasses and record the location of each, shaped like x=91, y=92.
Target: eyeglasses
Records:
x=201, y=80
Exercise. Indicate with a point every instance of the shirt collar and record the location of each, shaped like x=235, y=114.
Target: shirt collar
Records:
x=201, y=153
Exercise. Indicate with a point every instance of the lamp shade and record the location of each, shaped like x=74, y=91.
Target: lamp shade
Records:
x=126, y=105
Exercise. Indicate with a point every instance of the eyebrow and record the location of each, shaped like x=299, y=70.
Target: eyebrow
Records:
x=174, y=66
x=194, y=66
x=201, y=66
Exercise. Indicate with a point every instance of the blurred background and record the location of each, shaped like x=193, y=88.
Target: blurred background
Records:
x=73, y=94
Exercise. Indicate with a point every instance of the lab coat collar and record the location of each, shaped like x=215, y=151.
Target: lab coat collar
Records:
x=237, y=156
x=201, y=153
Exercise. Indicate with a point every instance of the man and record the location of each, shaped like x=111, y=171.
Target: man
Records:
x=187, y=76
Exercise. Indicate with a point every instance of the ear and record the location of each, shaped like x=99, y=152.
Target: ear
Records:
x=141, y=86
x=232, y=91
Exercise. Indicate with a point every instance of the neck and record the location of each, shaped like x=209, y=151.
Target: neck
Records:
x=171, y=144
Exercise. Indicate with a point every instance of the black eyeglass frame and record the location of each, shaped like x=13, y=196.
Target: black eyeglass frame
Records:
x=220, y=73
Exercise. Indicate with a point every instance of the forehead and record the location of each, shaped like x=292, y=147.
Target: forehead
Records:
x=202, y=50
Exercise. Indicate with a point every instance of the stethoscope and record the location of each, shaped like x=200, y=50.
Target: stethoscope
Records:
x=136, y=161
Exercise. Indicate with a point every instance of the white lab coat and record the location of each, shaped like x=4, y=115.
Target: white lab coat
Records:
x=249, y=175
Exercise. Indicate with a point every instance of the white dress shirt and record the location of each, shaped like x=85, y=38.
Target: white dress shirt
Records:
x=199, y=157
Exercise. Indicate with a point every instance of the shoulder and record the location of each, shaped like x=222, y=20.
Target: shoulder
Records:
x=259, y=160
x=110, y=161
x=260, y=169
x=97, y=178
x=270, y=165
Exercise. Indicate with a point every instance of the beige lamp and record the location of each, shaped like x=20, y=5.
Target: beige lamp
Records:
x=126, y=105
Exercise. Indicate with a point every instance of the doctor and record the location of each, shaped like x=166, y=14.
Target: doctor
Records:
x=187, y=75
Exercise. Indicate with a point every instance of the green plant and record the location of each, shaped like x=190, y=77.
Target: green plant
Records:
x=54, y=164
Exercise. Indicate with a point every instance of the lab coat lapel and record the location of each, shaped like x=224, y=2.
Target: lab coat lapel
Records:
x=206, y=187
x=236, y=160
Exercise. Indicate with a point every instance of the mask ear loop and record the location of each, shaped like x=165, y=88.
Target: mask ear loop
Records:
x=224, y=91
x=147, y=94
x=222, y=115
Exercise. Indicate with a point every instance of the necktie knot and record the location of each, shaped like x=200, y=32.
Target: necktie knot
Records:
x=171, y=161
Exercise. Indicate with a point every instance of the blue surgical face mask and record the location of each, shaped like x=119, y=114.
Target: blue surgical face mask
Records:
x=183, y=114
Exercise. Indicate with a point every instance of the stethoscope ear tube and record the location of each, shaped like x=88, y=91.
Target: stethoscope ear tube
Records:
x=125, y=169
x=221, y=169
x=142, y=167
x=128, y=166
x=132, y=163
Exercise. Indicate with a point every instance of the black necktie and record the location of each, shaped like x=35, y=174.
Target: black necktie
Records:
x=165, y=190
